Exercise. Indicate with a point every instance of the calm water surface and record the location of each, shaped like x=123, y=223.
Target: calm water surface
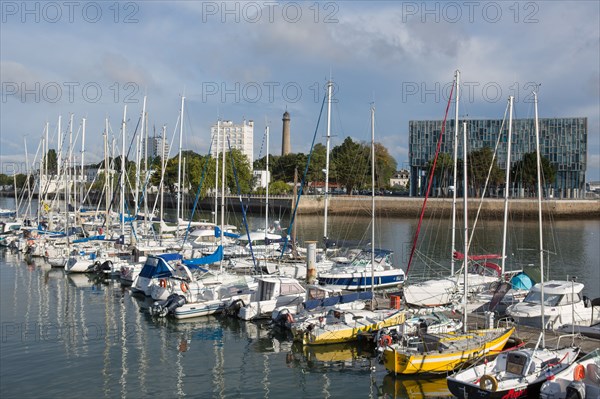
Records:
x=70, y=336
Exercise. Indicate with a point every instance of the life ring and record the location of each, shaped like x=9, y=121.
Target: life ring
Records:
x=162, y=283
x=488, y=378
x=579, y=372
x=185, y=287
x=385, y=341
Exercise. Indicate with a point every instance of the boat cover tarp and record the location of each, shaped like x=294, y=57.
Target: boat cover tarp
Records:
x=365, y=295
x=227, y=233
x=206, y=260
x=521, y=281
x=91, y=238
x=461, y=256
x=349, y=297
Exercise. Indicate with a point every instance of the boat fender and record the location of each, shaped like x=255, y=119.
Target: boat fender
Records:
x=579, y=373
x=162, y=283
x=488, y=378
x=385, y=341
x=576, y=390
x=185, y=287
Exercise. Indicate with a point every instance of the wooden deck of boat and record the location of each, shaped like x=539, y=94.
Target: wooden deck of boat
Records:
x=526, y=334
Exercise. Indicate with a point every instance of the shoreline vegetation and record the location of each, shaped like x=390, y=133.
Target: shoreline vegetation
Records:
x=395, y=206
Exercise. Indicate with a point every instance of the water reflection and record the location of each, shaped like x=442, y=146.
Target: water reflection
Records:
x=351, y=356
x=414, y=387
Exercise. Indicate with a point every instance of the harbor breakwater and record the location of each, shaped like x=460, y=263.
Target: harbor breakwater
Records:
x=391, y=206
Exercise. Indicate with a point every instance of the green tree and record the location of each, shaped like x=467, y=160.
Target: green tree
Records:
x=51, y=158
x=279, y=187
x=478, y=163
x=350, y=161
x=385, y=167
x=524, y=172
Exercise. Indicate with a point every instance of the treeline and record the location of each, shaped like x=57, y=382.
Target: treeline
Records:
x=523, y=172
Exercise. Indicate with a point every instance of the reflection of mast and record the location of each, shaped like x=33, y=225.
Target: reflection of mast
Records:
x=218, y=374
x=123, y=379
x=141, y=343
x=265, y=380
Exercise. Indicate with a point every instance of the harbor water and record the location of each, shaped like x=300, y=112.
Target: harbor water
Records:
x=73, y=336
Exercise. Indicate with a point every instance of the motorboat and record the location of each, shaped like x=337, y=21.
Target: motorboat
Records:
x=341, y=325
x=512, y=374
x=362, y=274
x=581, y=380
x=563, y=303
x=272, y=292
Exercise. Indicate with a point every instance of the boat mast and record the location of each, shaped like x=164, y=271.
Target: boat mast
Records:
x=163, y=164
x=454, y=179
x=329, y=88
x=107, y=174
x=267, y=191
x=507, y=184
x=82, y=160
x=179, y=164
x=217, y=149
x=539, y=187
x=124, y=134
x=222, y=203
x=466, y=228
x=372, y=200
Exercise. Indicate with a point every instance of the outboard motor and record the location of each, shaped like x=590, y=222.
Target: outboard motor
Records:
x=163, y=308
x=576, y=390
x=234, y=307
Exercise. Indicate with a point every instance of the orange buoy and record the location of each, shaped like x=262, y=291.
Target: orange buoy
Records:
x=184, y=287
x=579, y=372
x=163, y=283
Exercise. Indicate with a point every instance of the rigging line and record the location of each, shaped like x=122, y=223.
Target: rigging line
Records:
x=488, y=178
x=312, y=145
x=198, y=191
x=237, y=183
x=437, y=151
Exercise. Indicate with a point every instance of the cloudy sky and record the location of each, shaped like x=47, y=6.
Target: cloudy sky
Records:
x=254, y=60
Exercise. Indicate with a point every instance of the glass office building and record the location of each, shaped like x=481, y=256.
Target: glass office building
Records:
x=563, y=142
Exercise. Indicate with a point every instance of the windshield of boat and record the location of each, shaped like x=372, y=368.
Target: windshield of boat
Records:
x=549, y=299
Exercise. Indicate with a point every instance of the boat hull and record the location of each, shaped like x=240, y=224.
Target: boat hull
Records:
x=362, y=280
x=406, y=362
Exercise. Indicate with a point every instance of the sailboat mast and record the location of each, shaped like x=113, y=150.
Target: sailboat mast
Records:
x=179, y=164
x=124, y=135
x=329, y=87
x=466, y=228
x=107, y=174
x=267, y=191
x=82, y=159
x=217, y=170
x=539, y=187
x=222, y=203
x=507, y=185
x=372, y=199
x=163, y=164
x=455, y=169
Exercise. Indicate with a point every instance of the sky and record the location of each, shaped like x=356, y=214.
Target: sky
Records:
x=255, y=60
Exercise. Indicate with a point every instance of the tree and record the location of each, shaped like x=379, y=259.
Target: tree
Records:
x=350, y=161
x=385, y=166
x=524, y=172
x=51, y=158
x=279, y=187
x=478, y=163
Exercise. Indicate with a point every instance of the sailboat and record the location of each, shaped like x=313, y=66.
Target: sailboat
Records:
x=518, y=373
x=481, y=272
x=444, y=352
x=371, y=268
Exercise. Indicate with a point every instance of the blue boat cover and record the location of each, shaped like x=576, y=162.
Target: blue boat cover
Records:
x=365, y=295
x=170, y=256
x=206, y=260
x=227, y=234
x=331, y=301
x=349, y=297
x=312, y=304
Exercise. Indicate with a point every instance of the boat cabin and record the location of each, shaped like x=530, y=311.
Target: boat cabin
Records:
x=273, y=287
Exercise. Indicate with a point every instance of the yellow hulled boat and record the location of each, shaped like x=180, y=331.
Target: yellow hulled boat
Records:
x=345, y=326
x=442, y=353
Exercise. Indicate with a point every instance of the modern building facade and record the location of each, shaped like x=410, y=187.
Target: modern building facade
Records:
x=241, y=137
x=563, y=142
